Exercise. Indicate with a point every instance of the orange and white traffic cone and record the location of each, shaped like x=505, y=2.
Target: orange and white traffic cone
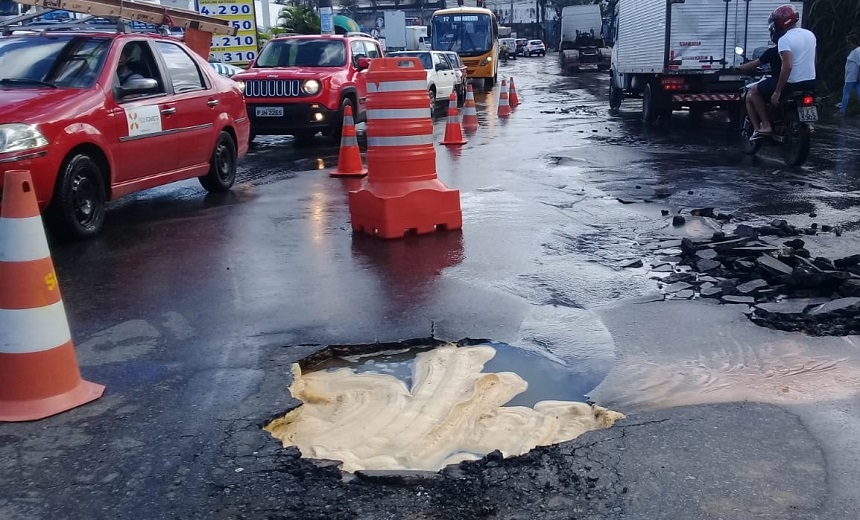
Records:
x=470, y=112
x=504, y=105
x=39, y=374
x=453, y=132
x=513, y=98
x=349, y=158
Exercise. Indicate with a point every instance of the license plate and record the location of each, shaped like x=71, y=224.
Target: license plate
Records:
x=807, y=114
x=270, y=111
x=729, y=78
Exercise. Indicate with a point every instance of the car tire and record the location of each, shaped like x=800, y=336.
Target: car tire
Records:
x=431, y=95
x=337, y=128
x=251, y=137
x=77, y=210
x=222, y=166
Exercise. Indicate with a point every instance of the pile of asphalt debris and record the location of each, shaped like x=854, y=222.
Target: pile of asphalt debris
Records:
x=783, y=285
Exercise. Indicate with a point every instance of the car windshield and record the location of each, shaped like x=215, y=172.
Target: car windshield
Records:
x=51, y=61
x=426, y=60
x=303, y=52
x=465, y=34
x=535, y=42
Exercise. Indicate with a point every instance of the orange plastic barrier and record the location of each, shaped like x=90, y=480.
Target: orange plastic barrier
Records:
x=470, y=112
x=39, y=373
x=401, y=193
x=349, y=158
x=453, y=132
x=513, y=98
x=504, y=105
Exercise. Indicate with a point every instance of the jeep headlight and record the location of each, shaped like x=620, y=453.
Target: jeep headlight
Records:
x=486, y=61
x=311, y=87
x=18, y=137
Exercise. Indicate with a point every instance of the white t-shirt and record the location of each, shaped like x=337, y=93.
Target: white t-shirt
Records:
x=801, y=43
x=852, y=66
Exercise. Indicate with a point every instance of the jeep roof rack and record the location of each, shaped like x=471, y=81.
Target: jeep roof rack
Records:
x=357, y=33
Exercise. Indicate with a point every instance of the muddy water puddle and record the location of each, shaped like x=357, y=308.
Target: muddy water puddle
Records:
x=546, y=379
x=426, y=408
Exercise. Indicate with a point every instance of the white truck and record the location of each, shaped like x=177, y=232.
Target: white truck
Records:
x=679, y=54
x=395, y=30
x=581, y=39
x=416, y=38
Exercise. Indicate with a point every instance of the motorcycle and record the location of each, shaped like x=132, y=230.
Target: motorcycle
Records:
x=792, y=120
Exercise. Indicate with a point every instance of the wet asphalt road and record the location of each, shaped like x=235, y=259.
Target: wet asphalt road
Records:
x=190, y=308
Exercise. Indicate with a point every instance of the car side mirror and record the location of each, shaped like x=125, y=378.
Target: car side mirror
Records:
x=139, y=86
x=439, y=67
x=362, y=63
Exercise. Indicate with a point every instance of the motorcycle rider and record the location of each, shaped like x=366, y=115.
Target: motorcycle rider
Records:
x=505, y=52
x=797, y=49
x=765, y=87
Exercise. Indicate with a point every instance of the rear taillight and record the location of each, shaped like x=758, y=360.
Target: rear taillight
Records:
x=672, y=83
x=807, y=101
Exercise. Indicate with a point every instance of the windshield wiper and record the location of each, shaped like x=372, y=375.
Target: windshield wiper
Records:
x=26, y=81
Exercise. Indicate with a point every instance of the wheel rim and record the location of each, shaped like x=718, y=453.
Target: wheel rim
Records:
x=432, y=97
x=84, y=198
x=223, y=161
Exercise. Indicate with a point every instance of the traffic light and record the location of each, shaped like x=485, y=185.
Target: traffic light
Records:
x=460, y=3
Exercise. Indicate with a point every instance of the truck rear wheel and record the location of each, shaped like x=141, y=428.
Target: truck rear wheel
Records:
x=614, y=97
x=649, y=110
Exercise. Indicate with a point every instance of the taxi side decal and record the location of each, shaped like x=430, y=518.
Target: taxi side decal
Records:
x=143, y=120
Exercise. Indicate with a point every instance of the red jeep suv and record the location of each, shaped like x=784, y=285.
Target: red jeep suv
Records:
x=300, y=85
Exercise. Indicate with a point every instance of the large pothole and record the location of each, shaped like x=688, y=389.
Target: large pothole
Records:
x=426, y=408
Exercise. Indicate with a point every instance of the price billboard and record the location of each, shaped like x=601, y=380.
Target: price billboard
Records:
x=240, y=49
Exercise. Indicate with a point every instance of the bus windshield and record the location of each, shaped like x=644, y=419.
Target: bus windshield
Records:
x=465, y=34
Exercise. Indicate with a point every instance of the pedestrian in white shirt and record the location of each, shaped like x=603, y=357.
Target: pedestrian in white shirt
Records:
x=852, y=73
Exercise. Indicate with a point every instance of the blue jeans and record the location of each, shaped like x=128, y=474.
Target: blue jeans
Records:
x=850, y=86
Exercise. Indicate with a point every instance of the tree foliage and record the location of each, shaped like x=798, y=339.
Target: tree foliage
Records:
x=831, y=21
x=299, y=19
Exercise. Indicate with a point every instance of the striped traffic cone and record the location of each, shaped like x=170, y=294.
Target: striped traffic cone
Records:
x=401, y=194
x=513, y=98
x=39, y=373
x=349, y=158
x=453, y=132
x=470, y=113
x=504, y=106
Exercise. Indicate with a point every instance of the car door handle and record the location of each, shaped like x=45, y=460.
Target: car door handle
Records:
x=212, y=102
x=168, y=111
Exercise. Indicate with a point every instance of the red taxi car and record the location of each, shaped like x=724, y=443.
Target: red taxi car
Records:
x=88, y=136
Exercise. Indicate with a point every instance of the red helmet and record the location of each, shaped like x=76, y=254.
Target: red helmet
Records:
x=784, y=17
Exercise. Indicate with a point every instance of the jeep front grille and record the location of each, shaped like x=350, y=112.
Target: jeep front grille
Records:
x=275, y=88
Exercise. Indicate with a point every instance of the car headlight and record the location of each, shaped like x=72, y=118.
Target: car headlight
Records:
x=311, y=87
x=486, y=61
x=17, y=137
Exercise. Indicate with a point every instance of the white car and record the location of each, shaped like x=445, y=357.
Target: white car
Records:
x=534, y=47
x=441, y=77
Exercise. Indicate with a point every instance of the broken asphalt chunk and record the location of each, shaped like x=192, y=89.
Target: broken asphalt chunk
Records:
x=675, y=287
x=836, y=305
x=707, y=264
x=746, y=288
x=730, y=298
x=773, y=265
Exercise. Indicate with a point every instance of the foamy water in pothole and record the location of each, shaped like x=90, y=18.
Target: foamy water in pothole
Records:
x=423, y=409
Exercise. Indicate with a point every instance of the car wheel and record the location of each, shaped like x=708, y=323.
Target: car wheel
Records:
x=77, y=210
x=489, y=82
x=222, y=165
x=337, y=128
x=431, y=94
x=461, y=95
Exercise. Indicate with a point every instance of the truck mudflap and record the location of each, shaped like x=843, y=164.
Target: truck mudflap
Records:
x=697, y=98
